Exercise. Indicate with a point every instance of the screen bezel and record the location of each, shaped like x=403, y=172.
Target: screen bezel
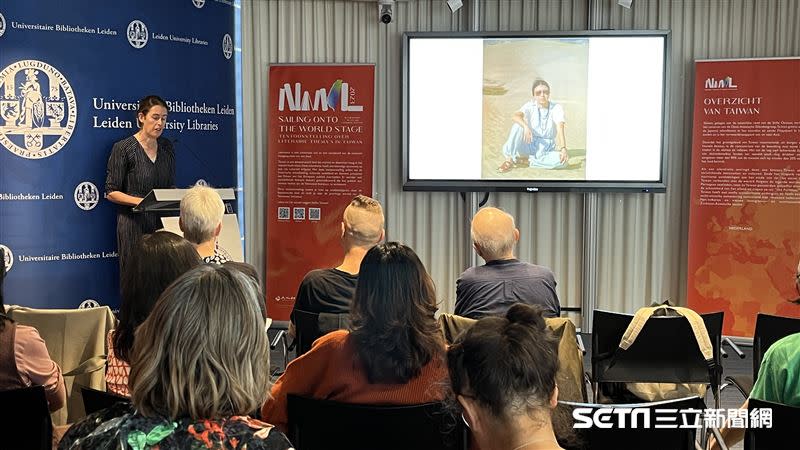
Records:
x=495, y=185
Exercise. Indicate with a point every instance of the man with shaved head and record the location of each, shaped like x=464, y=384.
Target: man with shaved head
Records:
x=491, y=289
x=331, y=290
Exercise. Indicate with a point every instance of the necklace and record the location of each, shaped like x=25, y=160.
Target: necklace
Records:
x=534, y=441
x=542, y=121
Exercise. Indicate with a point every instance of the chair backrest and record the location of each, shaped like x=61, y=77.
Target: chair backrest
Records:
x=95, y=400
x=26, y=419
x=570, y=381
x=770, y=329
x=665, y=351
x=310, y=326
x=647, y=433
x=315, y=424
x=779, y=434
x=72, y=336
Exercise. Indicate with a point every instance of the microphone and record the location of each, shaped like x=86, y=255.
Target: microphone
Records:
x=192, y=152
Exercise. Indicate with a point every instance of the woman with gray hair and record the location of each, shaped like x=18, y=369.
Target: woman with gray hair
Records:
x=202, y=210
x=200, y=365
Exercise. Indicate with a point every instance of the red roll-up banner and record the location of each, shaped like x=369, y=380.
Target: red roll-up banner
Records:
x=744, y=224
x=320, y=149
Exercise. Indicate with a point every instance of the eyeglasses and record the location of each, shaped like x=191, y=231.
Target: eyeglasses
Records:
x=540, y=93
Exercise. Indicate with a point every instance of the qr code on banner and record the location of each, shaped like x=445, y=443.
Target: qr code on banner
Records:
x=283, y=213
x=313, y=214
x=299, y=214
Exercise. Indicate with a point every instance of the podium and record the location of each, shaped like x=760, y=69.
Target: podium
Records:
x=229, y=241
x=165, y=200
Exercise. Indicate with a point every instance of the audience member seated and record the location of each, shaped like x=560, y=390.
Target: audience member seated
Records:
x=778, y=378
x=199, y=366
x=331, y=290
x=202, y=210
x=503, y=375
x=394, y=353
x=24, y=360
x=159, y=259
x=491, y=289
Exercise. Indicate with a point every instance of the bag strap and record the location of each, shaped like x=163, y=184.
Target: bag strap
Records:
x=92, y=364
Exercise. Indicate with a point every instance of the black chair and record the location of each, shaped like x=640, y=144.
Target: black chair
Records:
x=644, y=434
x=94, y=400
x=26, y=418
x=665, y=351
x=769, y=329
x=310, y=326
x=780, y=434
x=318, y=424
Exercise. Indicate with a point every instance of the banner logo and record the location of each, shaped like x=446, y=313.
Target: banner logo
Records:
x=198, y=3
x=299, y=100
x=137, y=34
x=8, y=259
x=86, y=195
x=725, y=83
x=2, y=24
x=89, y=303
x=32, y=117
x=227, y=46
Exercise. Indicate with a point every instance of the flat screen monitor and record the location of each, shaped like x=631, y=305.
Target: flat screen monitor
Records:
x=558, y=111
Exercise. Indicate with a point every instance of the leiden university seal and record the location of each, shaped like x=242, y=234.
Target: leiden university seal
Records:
x=38, y=110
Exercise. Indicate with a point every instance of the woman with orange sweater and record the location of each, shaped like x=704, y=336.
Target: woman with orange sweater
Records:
x=394, y=353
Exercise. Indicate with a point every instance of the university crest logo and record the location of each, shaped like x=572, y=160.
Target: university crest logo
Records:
x=86, y=196
x=227, y=46
x=137, y=34
x=37, y=108
x=198, y=3
x=8, y=259
x=89, y=303
x=2, y=24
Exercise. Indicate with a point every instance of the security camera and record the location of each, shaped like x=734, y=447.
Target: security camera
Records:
x=385, y=10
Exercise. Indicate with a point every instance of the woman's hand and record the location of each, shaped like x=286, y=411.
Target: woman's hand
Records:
x=564, y=155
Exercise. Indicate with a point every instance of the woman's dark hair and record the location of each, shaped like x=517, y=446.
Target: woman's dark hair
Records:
x=392, y=319
x=148, y=102
x=158, y=260
x=507, y=364
x=539, y=82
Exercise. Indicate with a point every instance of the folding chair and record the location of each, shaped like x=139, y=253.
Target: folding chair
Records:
x=570, y=377
x=769, y=329
x=25, y=417
x=781, y=432
x=316, y=424
x=665, y=351
x=621, y=428
x=73, y=337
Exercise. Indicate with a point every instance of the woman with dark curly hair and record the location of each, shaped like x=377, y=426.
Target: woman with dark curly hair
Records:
x=394, y=353
x=503, y=375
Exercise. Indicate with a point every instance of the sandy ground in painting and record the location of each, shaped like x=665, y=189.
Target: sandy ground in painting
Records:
x=509, y=70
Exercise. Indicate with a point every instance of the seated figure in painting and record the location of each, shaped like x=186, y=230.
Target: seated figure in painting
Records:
x=537, y=138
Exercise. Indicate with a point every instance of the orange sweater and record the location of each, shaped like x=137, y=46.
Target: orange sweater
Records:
x=330, y=371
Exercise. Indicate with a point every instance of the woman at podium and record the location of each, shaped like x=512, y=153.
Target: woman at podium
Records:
x=137, y=165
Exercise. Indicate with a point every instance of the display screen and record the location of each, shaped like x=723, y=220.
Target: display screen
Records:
x=557, y=111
